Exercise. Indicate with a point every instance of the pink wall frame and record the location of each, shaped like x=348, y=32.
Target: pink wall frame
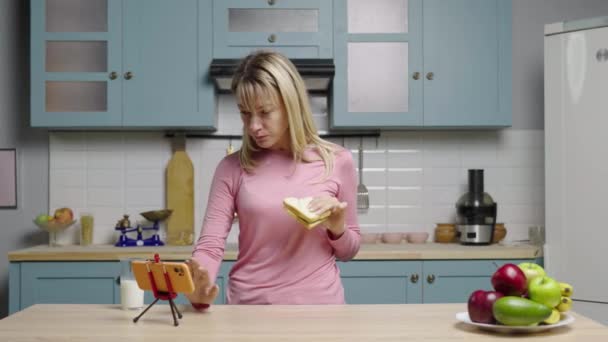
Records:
x=8, y=178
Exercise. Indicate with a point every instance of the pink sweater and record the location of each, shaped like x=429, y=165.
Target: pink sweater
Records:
x=279, y=261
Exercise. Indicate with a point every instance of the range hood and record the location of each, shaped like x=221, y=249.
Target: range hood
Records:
x=317, y=73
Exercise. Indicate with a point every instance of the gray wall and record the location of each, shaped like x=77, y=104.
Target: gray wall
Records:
x=16, y=229
x=529, y=18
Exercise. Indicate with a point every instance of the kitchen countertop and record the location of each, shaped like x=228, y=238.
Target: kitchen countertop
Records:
x=406, y=322
x=405, y=251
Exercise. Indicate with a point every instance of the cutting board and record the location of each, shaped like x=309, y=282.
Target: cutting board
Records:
x=180, y=196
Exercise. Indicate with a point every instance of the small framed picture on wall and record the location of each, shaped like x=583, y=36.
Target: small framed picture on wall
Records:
x=8, y=178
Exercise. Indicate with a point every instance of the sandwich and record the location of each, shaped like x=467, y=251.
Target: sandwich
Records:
x=298, y=209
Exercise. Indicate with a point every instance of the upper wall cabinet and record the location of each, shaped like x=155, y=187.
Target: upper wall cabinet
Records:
x=422, y=64
x=467, y=63
x=296, y=28
x=121, y=63
x=378, y=58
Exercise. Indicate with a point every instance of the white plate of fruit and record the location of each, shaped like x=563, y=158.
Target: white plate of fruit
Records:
x=524, y=299
x=565, y=320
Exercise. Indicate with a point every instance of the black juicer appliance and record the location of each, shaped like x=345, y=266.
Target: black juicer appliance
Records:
x=476, y=213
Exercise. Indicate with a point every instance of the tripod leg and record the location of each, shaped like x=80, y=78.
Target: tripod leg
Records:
x=173, y=312
x=143, y=312
x=179, y=314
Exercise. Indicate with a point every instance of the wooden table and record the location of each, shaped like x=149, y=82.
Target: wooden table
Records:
x=410, y=322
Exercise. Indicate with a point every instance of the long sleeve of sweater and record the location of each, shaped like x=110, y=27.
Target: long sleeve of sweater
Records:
x=209, y=249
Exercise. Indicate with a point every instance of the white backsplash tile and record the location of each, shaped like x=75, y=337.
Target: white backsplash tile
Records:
x=105, y=178
x=405, y=177
x=70, y=177
x=414, y=177
x=399, y=214
x=411, y=196
x=377, y=195
x=441, y=156
x=373, y=215
x=443, y=176
x=404, y=159
x=68, y=160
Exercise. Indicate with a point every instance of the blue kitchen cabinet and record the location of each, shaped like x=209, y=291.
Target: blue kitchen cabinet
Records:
x=63, y=282
x=121, y=64
x=422, y=64
x=378, y=60
x=467, y=54
x=381, y=282
x=79, y=282
x=435, y=281
x=453, y=281
x=296, y=28
x=365, y=281
x=222, y=281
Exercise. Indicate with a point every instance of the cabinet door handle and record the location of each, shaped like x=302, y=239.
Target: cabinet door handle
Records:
x=271, y=2
x=430, y=278
x=118, y=280
x=272, y=38
x=430, y=76
x=128, y=75
x=414, y=278
x=416, y=76
x=113, y=75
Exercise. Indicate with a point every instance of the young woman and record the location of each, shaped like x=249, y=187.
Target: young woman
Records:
x=279, y=261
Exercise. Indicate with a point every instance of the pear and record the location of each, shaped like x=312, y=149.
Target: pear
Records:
x=518, y=311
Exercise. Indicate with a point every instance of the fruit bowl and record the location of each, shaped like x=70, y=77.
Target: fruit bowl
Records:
x=53, y=226
x=565, y=320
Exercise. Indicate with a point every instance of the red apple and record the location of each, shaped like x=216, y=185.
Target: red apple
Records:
x=480, y=306
x=510, y=280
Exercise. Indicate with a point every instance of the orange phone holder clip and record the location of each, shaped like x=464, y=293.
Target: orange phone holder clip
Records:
x=159, y=295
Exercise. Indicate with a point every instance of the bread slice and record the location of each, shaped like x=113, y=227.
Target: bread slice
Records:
x=298, y=208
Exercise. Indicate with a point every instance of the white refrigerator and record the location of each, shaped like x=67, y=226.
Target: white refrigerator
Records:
x=576, y=161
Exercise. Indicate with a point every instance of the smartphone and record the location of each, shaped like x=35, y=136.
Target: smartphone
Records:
x=179, y=275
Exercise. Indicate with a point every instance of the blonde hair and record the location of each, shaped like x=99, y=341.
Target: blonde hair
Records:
x=265, y=74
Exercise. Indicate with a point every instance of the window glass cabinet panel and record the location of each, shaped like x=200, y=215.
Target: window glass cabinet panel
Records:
x=378, y=16
x=77, y=15
x=70, y=96
x=380, y=88
x=273, y=20
x=76, y=56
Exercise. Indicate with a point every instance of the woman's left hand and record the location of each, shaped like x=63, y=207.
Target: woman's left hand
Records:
x=335, y=221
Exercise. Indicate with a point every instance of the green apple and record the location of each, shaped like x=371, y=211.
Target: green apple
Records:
x=42, y=218
x=532, y=270
x=545, y=290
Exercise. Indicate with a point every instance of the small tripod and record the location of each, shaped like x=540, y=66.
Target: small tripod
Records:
x=169, y=295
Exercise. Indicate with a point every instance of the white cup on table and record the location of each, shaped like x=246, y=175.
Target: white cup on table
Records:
x=131, y=296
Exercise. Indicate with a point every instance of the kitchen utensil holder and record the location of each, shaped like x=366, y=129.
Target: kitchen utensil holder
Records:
x=158, y=295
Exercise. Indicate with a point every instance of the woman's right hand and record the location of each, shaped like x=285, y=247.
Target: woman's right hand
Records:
x=205, y=292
